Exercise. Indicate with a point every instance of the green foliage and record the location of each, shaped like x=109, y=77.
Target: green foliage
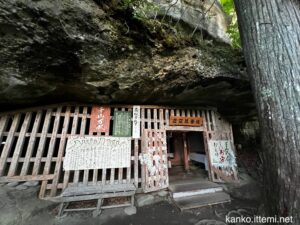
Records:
x=233, y=29
x=141, y=8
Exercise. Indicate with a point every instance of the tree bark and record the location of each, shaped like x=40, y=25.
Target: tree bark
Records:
x=270, y=33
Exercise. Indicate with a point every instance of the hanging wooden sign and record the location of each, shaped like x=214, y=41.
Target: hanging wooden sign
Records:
x=93, y=152
x=122, y=124
x=136, y=122
x=100, y=119
x=186, y=121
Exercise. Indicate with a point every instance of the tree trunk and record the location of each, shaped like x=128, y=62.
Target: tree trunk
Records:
x=270, y=33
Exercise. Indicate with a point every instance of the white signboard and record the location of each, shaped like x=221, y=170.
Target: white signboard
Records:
x=136, y=122
x=221, y=153
x=97, y=153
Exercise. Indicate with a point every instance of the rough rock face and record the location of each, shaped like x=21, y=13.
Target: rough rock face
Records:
x=77, y=50
x=206, y=14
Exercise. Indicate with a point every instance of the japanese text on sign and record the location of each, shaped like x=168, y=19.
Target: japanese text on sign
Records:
x=100, y=119
x=221, y=153
x=122, y=124
x=186, y=121
x=136, y=122
x=97, y=153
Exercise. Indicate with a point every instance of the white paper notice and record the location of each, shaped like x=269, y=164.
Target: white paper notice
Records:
x=97, y=153
x=221, y=153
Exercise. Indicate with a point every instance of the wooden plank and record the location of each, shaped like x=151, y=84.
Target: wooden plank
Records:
x=213, y=121
x=3, y=124
x=185, y=153
x=19, y=145
x=82, y=133
x=8, y=143
x=50, y=151
x=149, y=119
x=161, y=119
x=60, y=153
x=143, y=121
x=89, y=197
x=202, y=200
x=155, y=118
x=31, y=144
x=136, y=162
x=42, y=143
x=73, y=132
x=26, y=178
x=100, y=119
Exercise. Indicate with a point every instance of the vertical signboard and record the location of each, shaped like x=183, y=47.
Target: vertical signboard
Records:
x=100, y=119
x=136, y=122
x=221, y=153
x=122, y=124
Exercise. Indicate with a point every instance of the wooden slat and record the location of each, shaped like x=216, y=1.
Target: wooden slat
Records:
x=73, y=132
x=3, y=124
x=19, y=145
x=26, y=178
x=50, y=151
x=161, y=119
x=155, y=118
x=60, y=154
x=82, y=133
x=42, y=143
x=167, y=116
x=31, y=144
x=149, y=118
x=8, y=143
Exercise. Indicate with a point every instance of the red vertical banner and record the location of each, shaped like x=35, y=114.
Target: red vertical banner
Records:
x=100, y=119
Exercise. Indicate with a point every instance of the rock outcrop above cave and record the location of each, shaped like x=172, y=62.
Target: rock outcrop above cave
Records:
x=78, y=50
x=207, y=15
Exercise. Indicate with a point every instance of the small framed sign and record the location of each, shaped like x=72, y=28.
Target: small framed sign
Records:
x=122, y=124
x=186, y=121
x=100, y=119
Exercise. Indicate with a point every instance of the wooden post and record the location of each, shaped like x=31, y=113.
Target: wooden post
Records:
x=185, y=153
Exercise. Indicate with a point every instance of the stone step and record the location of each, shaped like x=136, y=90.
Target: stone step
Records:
x=202, y=200
x=192, y=188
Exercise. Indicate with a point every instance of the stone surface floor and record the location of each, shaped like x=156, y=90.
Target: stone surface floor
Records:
x=22, y=207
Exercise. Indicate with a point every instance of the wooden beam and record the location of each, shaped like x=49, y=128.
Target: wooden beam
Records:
x=185, y=153
x=26, y=178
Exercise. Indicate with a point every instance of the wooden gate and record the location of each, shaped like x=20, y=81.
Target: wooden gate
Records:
x=220, y=132
x=154, y=160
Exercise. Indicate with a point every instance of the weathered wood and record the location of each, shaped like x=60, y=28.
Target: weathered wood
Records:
x=136, y=162
x=42, y=143
x=19, y=145
x=3, y=124
x=31, y=143
x=89, y=197
x=60, y=153
x=185, y=153
x=82, y=133
x=73, y=131
x=26, y=178
x=50, y=151
x=8, y=143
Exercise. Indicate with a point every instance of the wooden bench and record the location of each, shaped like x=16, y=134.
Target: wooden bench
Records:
x=97, y=192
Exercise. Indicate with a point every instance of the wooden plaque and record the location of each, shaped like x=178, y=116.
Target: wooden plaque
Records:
x=122, y=124
x=100, y=119
x=136, y=122
x=186, y=121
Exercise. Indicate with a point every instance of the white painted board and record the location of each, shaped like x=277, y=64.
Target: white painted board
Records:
x=136, y=122
x=221, y=153
x=92, y=152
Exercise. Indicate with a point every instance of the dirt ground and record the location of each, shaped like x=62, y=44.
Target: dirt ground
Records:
x=24, y=208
